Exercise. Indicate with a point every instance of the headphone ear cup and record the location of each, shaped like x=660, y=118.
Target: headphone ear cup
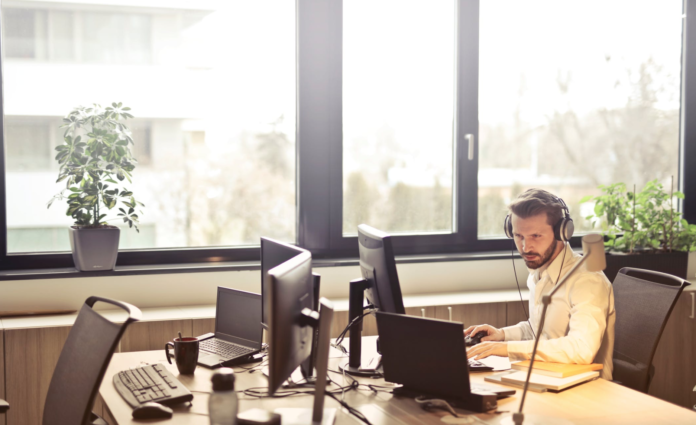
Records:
x=507, y=226
x=568, y=229
x=558, y=229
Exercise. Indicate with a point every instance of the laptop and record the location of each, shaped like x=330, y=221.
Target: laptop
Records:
x=238, y=331
x=428, y=357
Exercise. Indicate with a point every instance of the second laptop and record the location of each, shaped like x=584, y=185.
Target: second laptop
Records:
x=238, y=332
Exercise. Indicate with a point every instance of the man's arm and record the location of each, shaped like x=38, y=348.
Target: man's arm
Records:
x=590, y=300
x=519, y=332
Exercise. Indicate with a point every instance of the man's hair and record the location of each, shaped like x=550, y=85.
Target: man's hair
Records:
x=536, y=201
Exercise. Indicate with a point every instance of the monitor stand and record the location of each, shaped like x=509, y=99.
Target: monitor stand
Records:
x=317, y=415
x=356, y=300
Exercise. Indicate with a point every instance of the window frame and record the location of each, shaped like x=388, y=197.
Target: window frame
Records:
x=319, y=173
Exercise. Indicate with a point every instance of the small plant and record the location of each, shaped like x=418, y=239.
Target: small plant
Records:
x=643, y=221
x=95, y=159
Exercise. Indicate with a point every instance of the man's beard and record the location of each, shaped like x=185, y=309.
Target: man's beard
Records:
x=535, y=264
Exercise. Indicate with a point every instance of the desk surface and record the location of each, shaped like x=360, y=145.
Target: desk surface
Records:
x=596, y=402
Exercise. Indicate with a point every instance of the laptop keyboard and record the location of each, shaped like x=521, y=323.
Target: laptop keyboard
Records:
x=225, y=349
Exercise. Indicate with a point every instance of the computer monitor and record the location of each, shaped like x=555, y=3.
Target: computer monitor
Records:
x=273, y=253
x=291, y=323
x=378, y=268
x=379, y=283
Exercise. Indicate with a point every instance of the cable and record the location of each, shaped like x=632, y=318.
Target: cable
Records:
x=512, y=257
x=341, y=336
x=261, y=392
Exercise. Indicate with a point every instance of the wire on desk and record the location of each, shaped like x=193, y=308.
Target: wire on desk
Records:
x=261, y=392
x=339, y=340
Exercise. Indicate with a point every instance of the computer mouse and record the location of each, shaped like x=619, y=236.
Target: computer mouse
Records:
x=470, y=341
x=152, y=411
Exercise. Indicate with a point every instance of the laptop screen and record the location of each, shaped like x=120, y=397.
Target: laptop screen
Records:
x=238, y=317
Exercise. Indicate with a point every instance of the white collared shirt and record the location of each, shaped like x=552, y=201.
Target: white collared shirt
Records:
x=579, y=325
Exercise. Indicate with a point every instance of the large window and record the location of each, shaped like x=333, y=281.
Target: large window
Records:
x=398, y=96
x=573, y=95
x=301, y=120
x=212, y=88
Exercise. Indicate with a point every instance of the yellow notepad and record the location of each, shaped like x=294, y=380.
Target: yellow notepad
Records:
x=557, y=370
x=548, y=382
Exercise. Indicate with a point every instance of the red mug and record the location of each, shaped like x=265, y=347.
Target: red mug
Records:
x=185, y=354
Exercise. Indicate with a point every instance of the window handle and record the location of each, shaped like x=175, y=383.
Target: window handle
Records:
x=470, y=140
x=693, y=305
x=449, y=312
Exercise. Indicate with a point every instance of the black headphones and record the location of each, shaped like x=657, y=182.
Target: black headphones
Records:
x=562, y=231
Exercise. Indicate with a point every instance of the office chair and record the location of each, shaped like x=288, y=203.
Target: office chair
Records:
x=643, y=305
x=82, y=364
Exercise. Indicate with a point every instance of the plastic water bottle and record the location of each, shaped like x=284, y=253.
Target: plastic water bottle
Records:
x=222, y=404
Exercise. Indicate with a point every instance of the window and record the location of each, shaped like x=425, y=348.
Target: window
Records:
x=596, y=103
x=78, y=36
x=214, y=129
x=398, y=97
x=301, y=120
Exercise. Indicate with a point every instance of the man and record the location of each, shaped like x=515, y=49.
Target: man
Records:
x=579, y=325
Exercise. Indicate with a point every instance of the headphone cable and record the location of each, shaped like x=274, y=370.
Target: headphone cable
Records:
x=512, y=257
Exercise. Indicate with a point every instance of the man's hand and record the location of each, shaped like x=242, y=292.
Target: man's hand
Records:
x=492, y=334
x=485, y=349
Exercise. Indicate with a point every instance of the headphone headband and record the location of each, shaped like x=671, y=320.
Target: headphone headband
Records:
x=562, y=230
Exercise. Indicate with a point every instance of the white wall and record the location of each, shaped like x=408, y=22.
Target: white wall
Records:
x=181, y=289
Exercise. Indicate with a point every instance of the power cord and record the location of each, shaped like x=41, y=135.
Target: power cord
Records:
x=370, y=310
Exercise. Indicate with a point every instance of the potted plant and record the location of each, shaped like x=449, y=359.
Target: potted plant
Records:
x=643, y=230
x=95, y=161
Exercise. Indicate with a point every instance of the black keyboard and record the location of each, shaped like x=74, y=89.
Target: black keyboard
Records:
x=150, y=383
x=225, y=349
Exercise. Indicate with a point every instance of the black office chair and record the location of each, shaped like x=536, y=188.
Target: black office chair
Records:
x=82, y=364
x=643, y=303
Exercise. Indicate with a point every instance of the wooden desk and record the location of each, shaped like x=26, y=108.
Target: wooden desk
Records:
x=597, y=402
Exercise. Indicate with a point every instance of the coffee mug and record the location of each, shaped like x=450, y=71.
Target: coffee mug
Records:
x=185, y=354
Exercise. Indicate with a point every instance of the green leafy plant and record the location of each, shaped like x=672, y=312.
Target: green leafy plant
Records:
x=95, y=159
x=646, y=221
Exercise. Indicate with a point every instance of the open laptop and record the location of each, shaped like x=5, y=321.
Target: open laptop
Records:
x=428, y=357
x=238, y=331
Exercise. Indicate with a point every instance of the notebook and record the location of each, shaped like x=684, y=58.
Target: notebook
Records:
x=238, y=331
x=557, y=370
x=549, y=382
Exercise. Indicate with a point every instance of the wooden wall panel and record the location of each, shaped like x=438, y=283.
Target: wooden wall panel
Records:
x=516, y=313
x=202, y=326
x=144, y=336
x=340, y=321
x=31, y=356
x=474, y=314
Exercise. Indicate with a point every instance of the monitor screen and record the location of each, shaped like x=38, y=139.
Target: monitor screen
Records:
x=378, y=267
x=290, y=343
x=273, y=253
x=237, y=317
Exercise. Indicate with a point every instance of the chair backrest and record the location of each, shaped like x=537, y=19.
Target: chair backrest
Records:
x=83, y=362
x=643, y=305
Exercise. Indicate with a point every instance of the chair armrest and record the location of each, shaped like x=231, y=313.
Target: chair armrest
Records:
x=134, y=313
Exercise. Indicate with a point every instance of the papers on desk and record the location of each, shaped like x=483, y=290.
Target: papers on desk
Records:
x=497, y=363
